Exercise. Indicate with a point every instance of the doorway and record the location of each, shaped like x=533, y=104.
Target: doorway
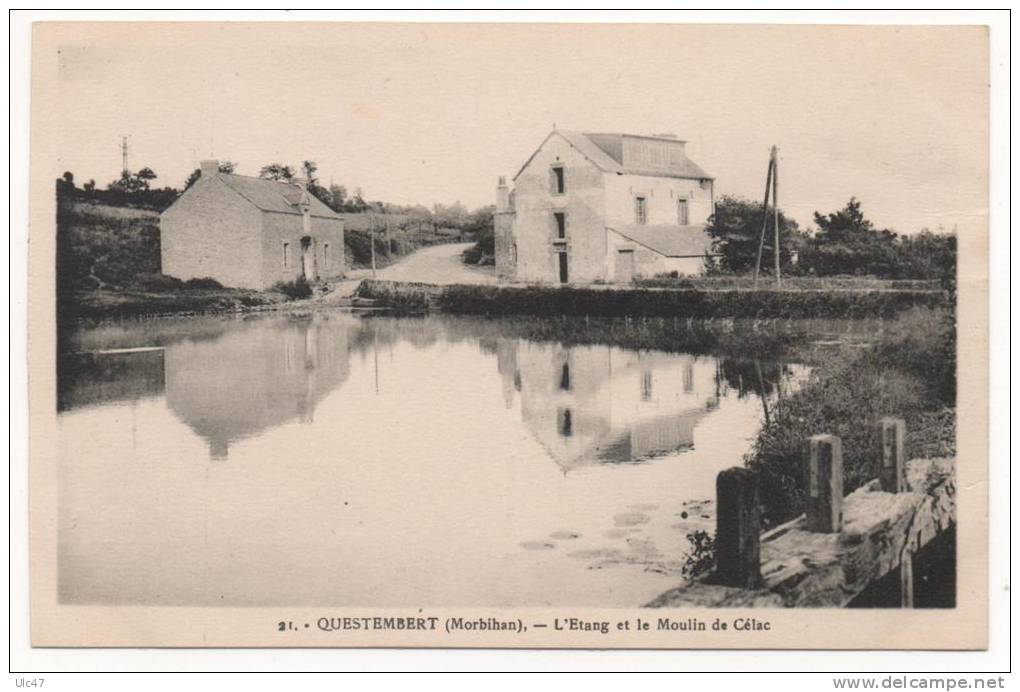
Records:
x=564, y=274
x=308, y=259
x=624, y=266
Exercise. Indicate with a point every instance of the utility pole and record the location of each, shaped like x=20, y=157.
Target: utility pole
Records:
x=387, y=238
x=124, y=155
x=765, y=221
x=771, y=186
x=775, y=211
x=371, y=225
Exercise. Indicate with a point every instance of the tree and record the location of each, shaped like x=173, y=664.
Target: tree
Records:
x=133, y=182
x=277, y=171
x=65, y=183
x=308, y=170
x=90, y=186
x=848, y=243
x=338, y=197
x=735, y=229
x=143, y=177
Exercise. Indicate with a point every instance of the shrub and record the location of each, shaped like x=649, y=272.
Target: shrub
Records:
x=701, y=559
x=155, y=281
x=204, y=282
x=637, y=302
x=898, y=376
x=299, y=288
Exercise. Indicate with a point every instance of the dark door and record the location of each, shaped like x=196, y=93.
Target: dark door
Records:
x=563, y=267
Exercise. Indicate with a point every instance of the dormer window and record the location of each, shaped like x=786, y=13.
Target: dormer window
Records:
x=558, y=183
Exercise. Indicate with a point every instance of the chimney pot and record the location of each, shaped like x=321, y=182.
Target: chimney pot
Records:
x=210, y=167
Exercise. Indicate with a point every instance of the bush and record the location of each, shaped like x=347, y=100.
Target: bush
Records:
x=204, y=282
x=899, y=376
x=154, y=281
x=299, y=288
x=540, y=300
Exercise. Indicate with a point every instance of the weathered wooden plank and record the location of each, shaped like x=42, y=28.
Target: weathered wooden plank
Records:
x=800, y=568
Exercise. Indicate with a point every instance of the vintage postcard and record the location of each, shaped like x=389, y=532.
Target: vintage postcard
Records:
x=635, y=336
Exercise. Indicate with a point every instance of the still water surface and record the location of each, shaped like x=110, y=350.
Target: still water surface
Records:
x=338, y=460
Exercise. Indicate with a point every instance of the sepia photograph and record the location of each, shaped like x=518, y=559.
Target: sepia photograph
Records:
x=509, y=334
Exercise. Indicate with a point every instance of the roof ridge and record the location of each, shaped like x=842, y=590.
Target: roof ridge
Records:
x=259, y=177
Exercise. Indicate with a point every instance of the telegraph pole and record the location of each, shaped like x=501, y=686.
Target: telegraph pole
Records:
x=124, y=155
x=771, y=186
x=775, y=211
x=371, y=236
x=765, y=222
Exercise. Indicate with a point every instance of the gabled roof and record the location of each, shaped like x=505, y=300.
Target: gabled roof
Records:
x=608, y=163
x=668, y=240
x=275, y=196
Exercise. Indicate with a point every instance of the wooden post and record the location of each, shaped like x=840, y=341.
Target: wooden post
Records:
x=738, y=528
x=764, y=224
x=907, y=579
x=892, y=473
x=775, y=211
x=371, y=240
x=824, y=511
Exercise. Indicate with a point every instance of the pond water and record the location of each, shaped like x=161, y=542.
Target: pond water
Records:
x=333, y=459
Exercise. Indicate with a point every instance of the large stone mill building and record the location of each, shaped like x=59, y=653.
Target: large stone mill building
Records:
x=603, y=207
x=249, y=232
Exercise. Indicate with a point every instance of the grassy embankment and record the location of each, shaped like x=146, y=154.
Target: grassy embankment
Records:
x=908, y=371
x=639, y=302
x=745, y=282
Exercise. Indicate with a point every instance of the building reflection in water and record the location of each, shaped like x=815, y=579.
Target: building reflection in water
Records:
x=226, y=380
x=592, y=404
x=250, y=380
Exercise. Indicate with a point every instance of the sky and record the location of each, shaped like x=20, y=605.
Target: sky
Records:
x=425, y=113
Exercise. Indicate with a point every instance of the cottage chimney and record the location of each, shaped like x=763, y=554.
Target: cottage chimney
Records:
x=210, y=167
x=502, y=195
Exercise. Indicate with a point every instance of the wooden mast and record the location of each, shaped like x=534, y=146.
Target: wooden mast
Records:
x=765, y=221
x=775, y=211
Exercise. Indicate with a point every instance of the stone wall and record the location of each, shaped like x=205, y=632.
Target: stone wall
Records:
x=327, y=245
x=211, y=231
x=583, y=203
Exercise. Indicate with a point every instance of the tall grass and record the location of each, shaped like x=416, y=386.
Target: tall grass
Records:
x=693, y=303
x=908, y=373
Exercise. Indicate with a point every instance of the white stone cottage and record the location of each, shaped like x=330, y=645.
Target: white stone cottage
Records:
x=603, y=207
x=249, y=232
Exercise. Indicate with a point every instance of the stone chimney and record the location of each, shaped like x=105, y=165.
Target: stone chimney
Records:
x=210, y=167
x=502, y=195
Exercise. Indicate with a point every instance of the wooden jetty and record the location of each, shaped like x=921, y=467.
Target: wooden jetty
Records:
x=841, y=545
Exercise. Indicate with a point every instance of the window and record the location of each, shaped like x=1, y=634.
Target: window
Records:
x=646, y=385
x=565, y=377
x=513, y=253
x=325, y=255
x=564, y=422
x=286, y=254
x=681, y=212
x=559, y=185
x=640, y=210
x=561, y=224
